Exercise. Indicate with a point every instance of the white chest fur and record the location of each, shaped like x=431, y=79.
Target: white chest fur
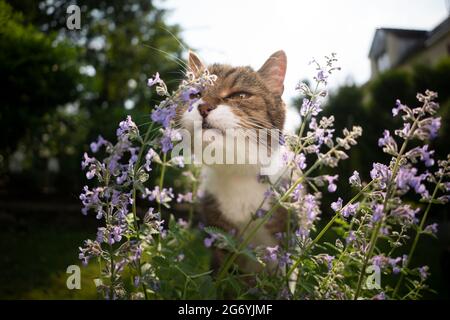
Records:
x=238, y=194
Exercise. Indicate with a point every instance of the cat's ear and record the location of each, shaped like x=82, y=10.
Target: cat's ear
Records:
x=195, y=64
x=273, y=72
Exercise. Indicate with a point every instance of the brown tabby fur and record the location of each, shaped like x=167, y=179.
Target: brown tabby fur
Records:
x=263, y=108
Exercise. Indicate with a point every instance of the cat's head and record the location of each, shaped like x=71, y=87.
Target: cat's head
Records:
x=240, y=97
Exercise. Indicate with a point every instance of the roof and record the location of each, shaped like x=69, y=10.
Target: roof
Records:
x=378, y=40
x=422, y=38
x=442, y=29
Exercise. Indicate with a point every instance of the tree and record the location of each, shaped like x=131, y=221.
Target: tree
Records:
x=99, y=71
x=37, y=76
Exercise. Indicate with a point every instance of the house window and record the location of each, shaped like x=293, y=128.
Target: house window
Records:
x=383, y=62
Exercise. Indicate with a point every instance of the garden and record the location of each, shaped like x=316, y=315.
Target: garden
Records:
x=93, y=180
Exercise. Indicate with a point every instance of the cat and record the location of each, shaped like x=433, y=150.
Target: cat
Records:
x=239, y=98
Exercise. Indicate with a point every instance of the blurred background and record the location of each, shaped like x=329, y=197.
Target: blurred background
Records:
x=61, y=88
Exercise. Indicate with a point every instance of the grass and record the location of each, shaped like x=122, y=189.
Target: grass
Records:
x=37, y=249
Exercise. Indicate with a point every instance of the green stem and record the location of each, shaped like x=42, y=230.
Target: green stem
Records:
x=328, y=226
x=252, y=233
x=111, y=255
x=194, y=198
x=389, y=190
x=416, y=238
x=161, y=178
x=134, y=208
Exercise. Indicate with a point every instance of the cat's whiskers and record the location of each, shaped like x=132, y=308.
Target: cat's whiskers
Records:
x=181, y=63
x=254, y=137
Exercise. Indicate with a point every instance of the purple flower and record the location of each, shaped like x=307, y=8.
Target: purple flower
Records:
x=351, y=237
x=404, y=133
x=210, y=240
x=406, y=213
x=423, y=272
x=87, y=161
x=122, y=178
x=166, y=144
x=337, y=205
x=311, y=207
x=328, y=260
x=355, y=180
x=90, y=199
x=155, y=80
x=191, y=96
x=386, y=140
x=95, y=146
x=350, y=209
x=90, y=174
x=84, y=259
x=300, y=161
x=260, y=213
x=298, y=192
x=331, y=185
x=314, y=108
x=163, y=115
x=429, y=127
x=394, y=264
x=116, y=234
x=399, y=106
x=380, y=296
x=136, y=253
x=178, y=161
x=100, y=234
x=322, y=75
x=136, y=281
x=271, y=253
x=284, y=260
x=184, y=197
x=425, y=155
x=320, y=133
x=99, y=214
x=302, y=233
x=269, y=193
x=381, y=172
x=379, y=261
x=432, y=228
x=126, y=127
x=286, y=156
x=377, y=212
x=161, y=196
x=169, y=135
x=148, y=159
x=407, y=178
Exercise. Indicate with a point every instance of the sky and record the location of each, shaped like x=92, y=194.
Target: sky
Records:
x=247, y=32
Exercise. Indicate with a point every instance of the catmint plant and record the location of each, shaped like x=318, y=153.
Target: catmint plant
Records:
x=145, y=252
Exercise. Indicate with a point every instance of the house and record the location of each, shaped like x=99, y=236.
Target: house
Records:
x=402, y=48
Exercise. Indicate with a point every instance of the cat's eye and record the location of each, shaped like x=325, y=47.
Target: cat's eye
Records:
x=194, y=96
x=239, y=95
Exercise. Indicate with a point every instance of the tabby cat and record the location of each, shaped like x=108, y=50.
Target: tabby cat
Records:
x=240, y=98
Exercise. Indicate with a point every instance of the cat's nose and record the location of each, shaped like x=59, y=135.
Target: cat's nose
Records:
x=205, y=109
